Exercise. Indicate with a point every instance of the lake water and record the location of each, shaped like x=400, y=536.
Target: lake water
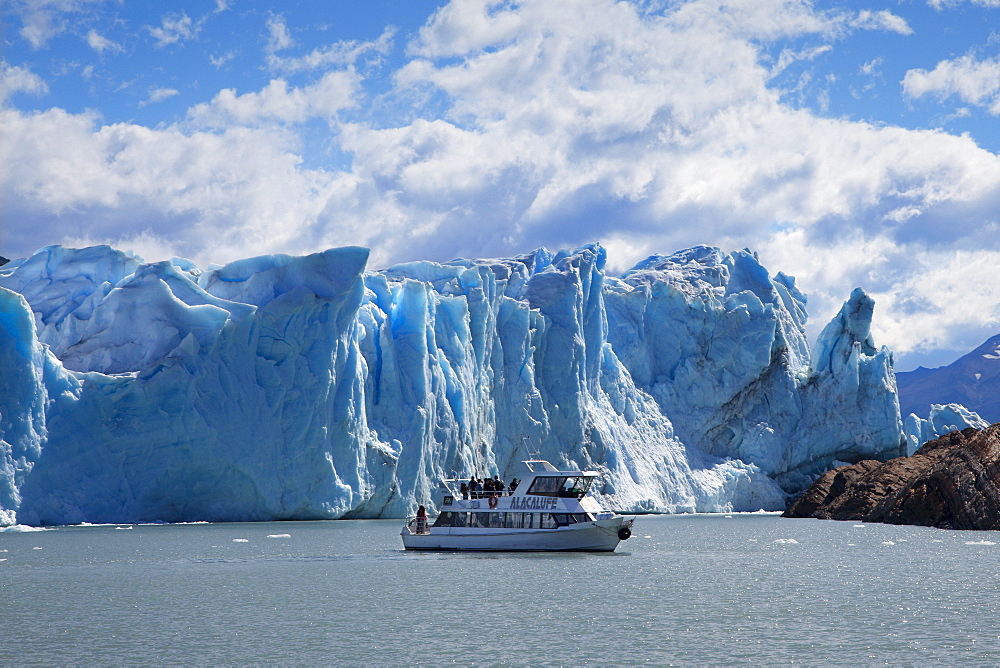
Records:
x=695, y=589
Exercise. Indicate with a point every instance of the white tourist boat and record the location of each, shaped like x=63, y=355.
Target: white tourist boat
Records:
x=549, y=510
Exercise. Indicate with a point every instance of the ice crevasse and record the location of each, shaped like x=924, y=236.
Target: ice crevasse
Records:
x=308, y=387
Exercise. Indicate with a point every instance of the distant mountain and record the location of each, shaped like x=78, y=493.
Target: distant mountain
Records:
x=972, y=380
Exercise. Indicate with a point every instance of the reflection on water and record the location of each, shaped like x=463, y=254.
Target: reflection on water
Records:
x=685, y=589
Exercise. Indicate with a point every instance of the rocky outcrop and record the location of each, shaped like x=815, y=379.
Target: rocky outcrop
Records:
x=951, y=483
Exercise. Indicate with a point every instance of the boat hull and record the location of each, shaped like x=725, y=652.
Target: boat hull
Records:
x=598, y=536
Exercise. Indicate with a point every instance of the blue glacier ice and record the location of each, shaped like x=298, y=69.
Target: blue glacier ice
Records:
x=942, y=419
x=284, y=387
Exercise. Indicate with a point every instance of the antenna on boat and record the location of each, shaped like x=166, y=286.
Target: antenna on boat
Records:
x=528, y=452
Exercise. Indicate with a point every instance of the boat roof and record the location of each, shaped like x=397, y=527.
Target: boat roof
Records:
x=540, y=467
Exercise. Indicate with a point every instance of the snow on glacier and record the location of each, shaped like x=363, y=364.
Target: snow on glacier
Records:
x=307, y=387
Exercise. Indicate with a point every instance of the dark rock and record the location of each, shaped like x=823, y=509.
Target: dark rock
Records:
x=3, y=260
x=952, y=483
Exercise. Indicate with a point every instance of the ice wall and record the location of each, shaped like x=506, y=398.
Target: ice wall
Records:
x=236, y=411
x=721, y=347
x=305, y=387
x=32, y=385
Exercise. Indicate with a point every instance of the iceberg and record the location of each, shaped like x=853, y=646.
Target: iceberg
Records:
x=310, y=387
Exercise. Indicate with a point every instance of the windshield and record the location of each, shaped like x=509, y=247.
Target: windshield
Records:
x=564, y=486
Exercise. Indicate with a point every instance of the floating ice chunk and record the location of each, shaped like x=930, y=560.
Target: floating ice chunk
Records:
x=279, y=535
x=120, y=528
x=36, y=548
x=979, y=542
x=786, y=541
x=22, y=528
x=859, y=526
x=888, y=542
x=240, y=540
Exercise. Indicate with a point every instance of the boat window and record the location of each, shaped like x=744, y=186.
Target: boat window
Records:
x=575, y=487
x=443, y=520
x=459, y=519
x=480, y=520
x=546, y=485
x=496, y=520
x=538, y=520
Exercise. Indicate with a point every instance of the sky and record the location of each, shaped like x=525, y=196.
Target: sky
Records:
x=849, y=144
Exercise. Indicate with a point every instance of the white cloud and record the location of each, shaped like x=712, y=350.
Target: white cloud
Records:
x=946, y=297
x=548, y=123
x=973, y=81
x=209, y=196
x=159, y=95
x=881, y=20
x=100, y=44
x=279, y=38
x=945, y=4
x=174, y=28
x=41, y=21
x=872, y=67
x=220, y=61
x=177, y=28
x=278, y=102
x=15, y=79
x=333, y=55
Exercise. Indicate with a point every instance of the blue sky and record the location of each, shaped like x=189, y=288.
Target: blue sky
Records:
x=848, y=143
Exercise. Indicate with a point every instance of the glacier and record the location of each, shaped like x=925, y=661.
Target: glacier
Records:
x=311, y=387
x=942, y=419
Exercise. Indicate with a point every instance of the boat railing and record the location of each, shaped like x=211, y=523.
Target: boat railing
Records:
x=418, y=525
x=486, y=494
